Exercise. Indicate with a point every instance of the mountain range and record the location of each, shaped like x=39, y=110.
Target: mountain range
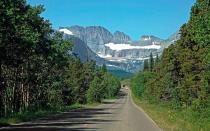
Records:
x=117, y=50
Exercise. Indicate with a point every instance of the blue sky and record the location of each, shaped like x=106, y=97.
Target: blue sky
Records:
x=134, y=17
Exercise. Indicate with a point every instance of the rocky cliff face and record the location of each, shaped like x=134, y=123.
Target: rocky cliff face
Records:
x=96, y=37
x=148, y=40
x=117, y=50
x=93, y=36
x=120, y=37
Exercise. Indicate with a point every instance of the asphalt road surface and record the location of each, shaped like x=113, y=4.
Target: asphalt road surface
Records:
x=119, y=115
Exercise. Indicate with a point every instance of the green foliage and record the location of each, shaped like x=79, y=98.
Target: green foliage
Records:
x=96, y=90
x=37, y=71
x=157, y=59
x=138, y=83
x=103, y=86
x=146, y=65
x=182, y=74
x=170, y=119
x=112, y=85
x=177, y=94
x=121, y=74
x=151, y=62
x=104, y=68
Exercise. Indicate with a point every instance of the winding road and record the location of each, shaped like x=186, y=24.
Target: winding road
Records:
x=119, y=115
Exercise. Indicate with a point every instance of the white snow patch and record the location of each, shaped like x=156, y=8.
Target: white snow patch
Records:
x=112, y=66
x=173, y=41
x=118, y=60
x=147, y=38
x=104, y=56
x=119, y=47
x=66, y=31
x=142, y=58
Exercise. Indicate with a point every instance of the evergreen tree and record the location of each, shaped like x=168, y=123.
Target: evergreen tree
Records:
x=151, y=62
x=183, y=73
x=157, y=59
x=36, y=69
x=104, y=68
x=96, y=91
x=146, y=65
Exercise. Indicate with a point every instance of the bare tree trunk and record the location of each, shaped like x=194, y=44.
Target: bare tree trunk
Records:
x=17, y=98
x=27, y=96
x=1, y=89
x=21, y=90
x=28, y=84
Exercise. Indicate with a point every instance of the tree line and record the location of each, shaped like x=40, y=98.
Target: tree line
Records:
x=182, y=75
x=37, y=70
x=151, y=62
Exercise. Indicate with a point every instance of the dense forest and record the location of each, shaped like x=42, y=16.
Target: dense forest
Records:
x=175, y=87
x=37, y=69
x=181, y=76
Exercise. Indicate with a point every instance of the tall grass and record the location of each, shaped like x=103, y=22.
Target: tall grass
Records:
x=170, y=119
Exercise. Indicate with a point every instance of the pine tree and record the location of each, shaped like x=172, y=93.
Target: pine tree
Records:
x=96, y=91
x=104, y=69
x=183, y=72
x=157, y=59
x=146, y=65
x=151, y=62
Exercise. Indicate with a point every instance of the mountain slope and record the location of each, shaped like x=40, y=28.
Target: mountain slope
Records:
x=116, y=50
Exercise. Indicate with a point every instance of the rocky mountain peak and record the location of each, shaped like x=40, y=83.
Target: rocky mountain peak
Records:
x=149, y=38
x=115, y=50
x=120, y=37
x=98, y=32
x=174, y=37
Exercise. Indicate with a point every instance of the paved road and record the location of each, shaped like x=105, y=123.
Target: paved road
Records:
x=119, y=115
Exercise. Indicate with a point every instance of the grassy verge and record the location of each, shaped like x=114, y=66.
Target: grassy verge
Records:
x=175, y=120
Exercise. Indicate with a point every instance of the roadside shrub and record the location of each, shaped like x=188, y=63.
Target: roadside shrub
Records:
x=139, y=81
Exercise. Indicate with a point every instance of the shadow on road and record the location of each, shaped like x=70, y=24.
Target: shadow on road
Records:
x=122, y=94
x=50, y=129
x=76, y=120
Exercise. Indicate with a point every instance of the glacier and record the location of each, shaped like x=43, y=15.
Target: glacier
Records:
x=119, y=47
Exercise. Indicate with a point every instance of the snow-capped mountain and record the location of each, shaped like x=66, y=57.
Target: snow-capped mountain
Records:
x=117, y=50
x=66, y=31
